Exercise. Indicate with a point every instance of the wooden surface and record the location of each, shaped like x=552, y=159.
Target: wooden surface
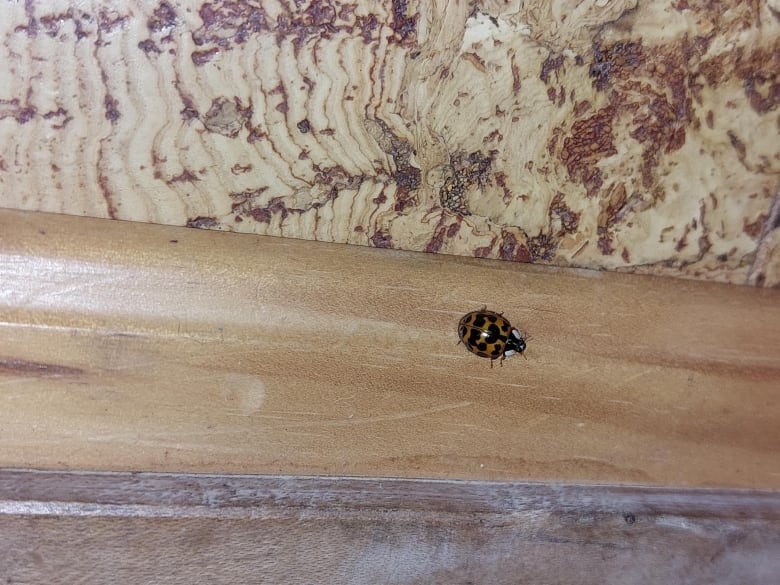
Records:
x=137, y=347
x=638, y=135
x=143, y=528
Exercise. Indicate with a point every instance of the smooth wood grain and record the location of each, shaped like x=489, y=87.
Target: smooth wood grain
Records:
x=132, y=528
x=136, y=347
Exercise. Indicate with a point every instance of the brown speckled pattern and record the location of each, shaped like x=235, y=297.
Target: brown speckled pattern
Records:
x=637, y=136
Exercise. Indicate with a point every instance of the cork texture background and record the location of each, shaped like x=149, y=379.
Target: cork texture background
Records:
x=623, y=135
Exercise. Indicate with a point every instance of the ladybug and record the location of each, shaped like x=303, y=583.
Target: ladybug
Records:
x=490, y=335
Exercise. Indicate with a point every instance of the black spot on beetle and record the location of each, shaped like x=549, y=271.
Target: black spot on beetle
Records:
x=479, y=321
x=475, y=337
x=482, y=346
x=493, y=333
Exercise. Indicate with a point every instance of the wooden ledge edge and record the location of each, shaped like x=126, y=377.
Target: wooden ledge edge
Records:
x=121, y=494
x=95, y=528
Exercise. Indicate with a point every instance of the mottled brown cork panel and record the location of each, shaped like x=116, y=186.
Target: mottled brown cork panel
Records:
x=629, y=135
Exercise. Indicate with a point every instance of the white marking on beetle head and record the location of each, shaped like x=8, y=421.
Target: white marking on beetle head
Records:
x=509, y=352
x=516, y=333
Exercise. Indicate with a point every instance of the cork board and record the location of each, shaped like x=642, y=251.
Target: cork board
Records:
x=628, y=135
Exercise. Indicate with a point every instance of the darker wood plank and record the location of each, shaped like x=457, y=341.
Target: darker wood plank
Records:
x=58, y=527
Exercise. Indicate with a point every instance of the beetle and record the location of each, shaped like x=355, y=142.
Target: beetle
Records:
x=490, y=335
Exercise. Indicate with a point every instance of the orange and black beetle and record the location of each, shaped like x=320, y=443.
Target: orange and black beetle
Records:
x=490, y=335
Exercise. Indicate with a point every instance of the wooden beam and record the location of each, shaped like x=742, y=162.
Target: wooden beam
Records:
x=138, y=347
x=130, y=528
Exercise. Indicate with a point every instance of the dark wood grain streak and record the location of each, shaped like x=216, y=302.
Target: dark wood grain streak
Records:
x=60, y=527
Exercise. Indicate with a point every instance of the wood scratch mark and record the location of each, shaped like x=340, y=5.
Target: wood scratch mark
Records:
x=296, y=412
x=447, y=356
x=477, y=304
x=511, y=384
x=639, y=375
x=537, y=421
x=383, y=418
x=305, y=434
x=445, y=311
x=472, y=426
x=395, y=287
x=579, y=373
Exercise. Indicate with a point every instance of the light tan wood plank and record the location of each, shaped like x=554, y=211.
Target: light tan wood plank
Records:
x=142, y=528
x=137, y=347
